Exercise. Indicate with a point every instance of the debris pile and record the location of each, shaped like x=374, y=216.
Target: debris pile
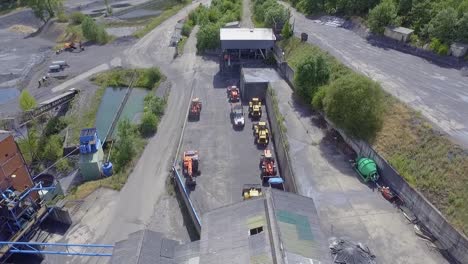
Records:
x=348, y=252
x=22, y=29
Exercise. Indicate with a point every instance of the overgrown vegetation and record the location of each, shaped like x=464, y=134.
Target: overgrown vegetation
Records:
x=159, y=19
x=429, y=161
x=270, y=13
x=211, y=19
x=445, y=20
x=26, y=101
x=131, y=138
x=186, y=30
x=7, y=6
x=45, y=9
x=145, y=78
x=93, y=31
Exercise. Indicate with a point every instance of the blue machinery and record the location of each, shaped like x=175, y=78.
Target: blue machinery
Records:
x=19, y=214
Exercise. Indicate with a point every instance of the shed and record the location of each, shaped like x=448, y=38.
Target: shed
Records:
x=398, y=33
x=247, y=38
x=459, y=50
x=254, y=82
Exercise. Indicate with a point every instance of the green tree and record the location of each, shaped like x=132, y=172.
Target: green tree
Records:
x=442, y=26
x=52, y=148
x=93, y=31
x=310, y=6
x=149, y=124
x=26, y=101
x=384, y=14
x=311, y=73
x=154, y=104
x=420, y=15
x=462, y=28
x=355, y=104
x=29, y=145
x=44, y=9
x=462, y=8
x=404, y=7
x=125, y=149
x=276, y=14
x=287, y=30
x=208, y=37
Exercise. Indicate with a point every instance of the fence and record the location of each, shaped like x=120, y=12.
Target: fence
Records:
x=190, y=208
x=449, y=241
x=280, y=140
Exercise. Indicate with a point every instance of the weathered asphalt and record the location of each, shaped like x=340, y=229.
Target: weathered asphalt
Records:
x=441, y=94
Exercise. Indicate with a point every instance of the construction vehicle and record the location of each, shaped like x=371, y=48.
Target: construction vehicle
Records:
x=250, y=191
x=255, y=108
x=190, y=167
x=195, y=109
x=366, y=168
x=233, y=94
x=267, y=163
x=260, y=131
x=237, y=115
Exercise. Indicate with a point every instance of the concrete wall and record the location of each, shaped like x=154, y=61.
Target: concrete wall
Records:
x=280, y=141
x=451, y=242
x=398, y=36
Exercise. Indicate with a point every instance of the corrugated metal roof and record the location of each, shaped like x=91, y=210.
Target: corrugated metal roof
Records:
x=246, y=34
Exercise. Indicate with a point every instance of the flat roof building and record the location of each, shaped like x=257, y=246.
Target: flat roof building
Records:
x=247, y=38
x=279, y=227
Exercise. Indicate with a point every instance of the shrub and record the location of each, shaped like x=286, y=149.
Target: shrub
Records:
x=125, y=148
x=62, y=16
x=93, y=31
x=435, y=44
x=355, y=103
x=149, y=124
x=54, y=126
x=287, y=31
x=443, y=49
x=76, y=18
x=311, y=73
x=381, y=16
x=186, y=28
x=443, y=25
x=52, y=148
x=63, y=165
x=26, y=101
x=208, y=37
x=317, y=100
x=148, y=78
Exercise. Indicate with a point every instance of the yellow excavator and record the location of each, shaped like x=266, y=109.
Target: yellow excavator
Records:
x=261, y=133
x=255, y=108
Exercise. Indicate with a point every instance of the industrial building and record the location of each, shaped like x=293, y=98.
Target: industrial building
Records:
x=254, y=82
x=21, y=204
x=278, y=227
x=239, y=45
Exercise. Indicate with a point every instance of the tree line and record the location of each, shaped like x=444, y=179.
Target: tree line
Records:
x=440, y=22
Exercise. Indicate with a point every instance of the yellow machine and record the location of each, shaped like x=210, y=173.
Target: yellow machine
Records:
x=251, y=191
x=255, y=108
x=261, y=132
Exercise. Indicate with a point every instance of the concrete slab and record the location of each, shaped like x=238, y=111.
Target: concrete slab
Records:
x=347, y=207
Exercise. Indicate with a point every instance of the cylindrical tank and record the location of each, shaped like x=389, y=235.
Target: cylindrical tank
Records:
x=107, y=169
x=367, y=169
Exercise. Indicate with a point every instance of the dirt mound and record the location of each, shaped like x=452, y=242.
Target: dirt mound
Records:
x=22, y=29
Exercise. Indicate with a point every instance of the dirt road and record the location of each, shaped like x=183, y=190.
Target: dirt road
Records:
x=137, y=206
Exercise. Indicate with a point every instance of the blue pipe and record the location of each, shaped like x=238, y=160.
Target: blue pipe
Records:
x=60, y=253
x=56, y=244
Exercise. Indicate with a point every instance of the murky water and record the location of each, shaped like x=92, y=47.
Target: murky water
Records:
x=110, y=104
x=7, y=94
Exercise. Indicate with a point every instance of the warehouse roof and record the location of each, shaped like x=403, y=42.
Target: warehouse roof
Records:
x=247, y=34
x=279, y=227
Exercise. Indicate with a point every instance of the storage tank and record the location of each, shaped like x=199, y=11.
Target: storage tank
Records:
x=107, y=169
x=367, y=169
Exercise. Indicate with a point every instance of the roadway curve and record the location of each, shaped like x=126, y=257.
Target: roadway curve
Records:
x=441, y=94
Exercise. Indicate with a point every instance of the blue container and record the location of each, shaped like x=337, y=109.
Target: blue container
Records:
x=107, y=169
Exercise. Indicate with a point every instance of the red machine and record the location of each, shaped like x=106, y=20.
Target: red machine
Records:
x=195, y=109
x=233, y=94
x=190, y=166
x=267, y=163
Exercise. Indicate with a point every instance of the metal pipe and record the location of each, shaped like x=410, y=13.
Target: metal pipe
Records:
x=56, y=244
x=60, y=253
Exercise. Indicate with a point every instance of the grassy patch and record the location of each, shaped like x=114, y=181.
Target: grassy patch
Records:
x=295, y=51
x=279, y=117
x=158, y=20
x=426, y=158
x=80, y=120
x=181, y=45
x=145, y=78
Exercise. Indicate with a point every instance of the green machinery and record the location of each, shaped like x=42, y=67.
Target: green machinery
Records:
x=367, y=169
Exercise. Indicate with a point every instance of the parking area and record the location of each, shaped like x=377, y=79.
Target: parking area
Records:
x=229, y=158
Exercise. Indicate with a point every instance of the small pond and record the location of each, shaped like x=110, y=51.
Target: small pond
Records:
x=110, y=104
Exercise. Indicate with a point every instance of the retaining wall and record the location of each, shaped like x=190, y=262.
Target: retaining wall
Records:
x=280, y=141
x=449, y=241
x=178, y=178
